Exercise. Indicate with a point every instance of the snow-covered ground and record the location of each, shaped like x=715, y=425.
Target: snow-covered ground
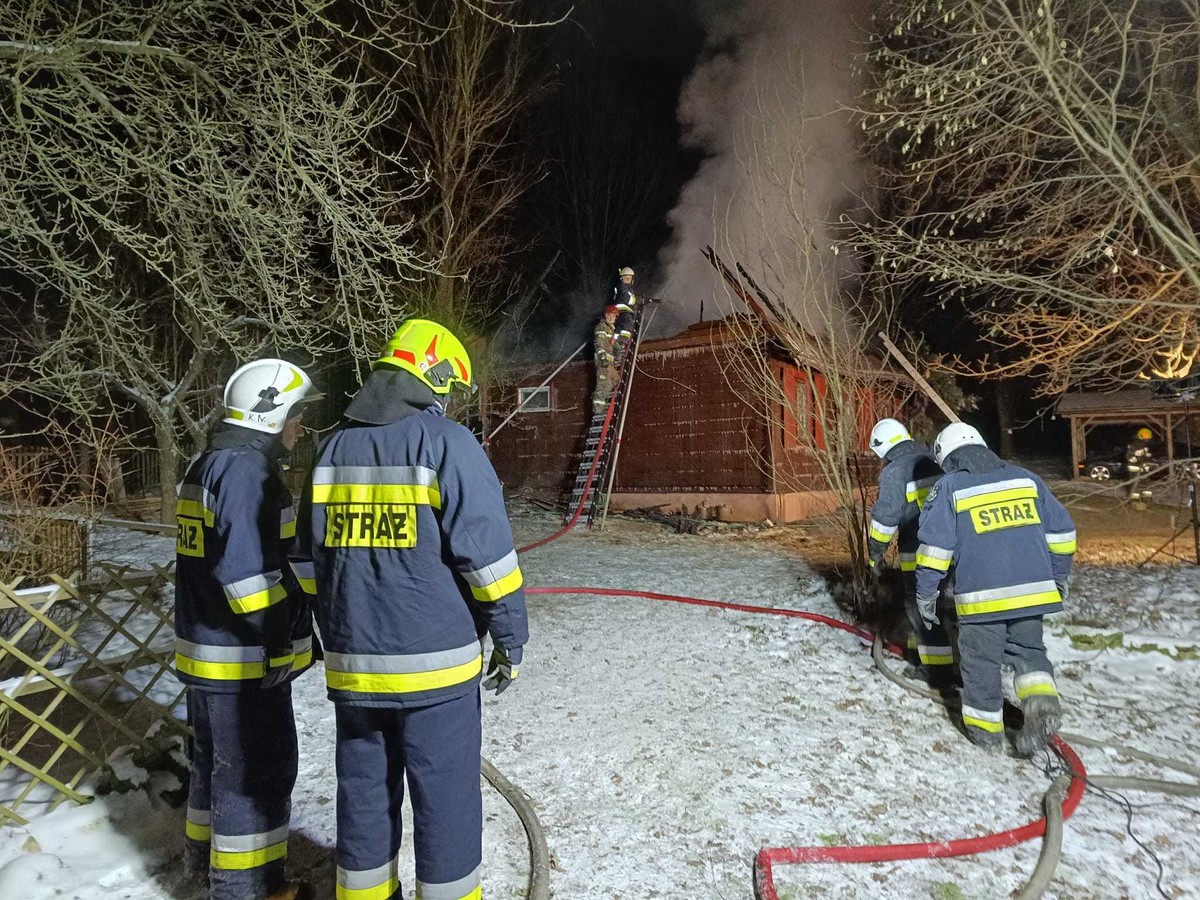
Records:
x=665, y=744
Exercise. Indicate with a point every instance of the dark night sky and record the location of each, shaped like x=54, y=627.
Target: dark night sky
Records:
x=617, y=70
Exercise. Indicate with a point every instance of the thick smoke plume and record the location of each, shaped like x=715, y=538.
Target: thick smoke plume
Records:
x=766, y=100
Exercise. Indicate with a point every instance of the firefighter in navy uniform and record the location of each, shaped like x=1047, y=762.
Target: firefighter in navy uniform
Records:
x=243, y=632
x=626, y=302
x=1011, y=543
x=909, y=471
x=404, y=539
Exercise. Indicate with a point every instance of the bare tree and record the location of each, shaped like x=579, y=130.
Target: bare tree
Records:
x=1039, y=167
x=461, y=102
x=187, y=185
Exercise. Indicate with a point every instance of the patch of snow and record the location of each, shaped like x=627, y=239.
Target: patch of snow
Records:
x=664, y=744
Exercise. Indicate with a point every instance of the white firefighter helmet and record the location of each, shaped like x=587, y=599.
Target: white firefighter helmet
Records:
x=953, y=436
x=264, y=394
x=886, y=434
x=625, y=271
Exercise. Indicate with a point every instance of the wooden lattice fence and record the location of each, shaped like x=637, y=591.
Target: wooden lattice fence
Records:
x=82, y=671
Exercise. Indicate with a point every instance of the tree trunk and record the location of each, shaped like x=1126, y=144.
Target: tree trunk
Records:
x=1004, y=412
x=168, y=463
x=111, y=478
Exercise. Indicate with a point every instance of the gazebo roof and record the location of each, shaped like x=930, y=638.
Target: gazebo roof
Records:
x=1117, y=403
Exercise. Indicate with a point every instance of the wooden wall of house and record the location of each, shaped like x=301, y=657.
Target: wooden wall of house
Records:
x=688, y=430
x=798, y=431
x=541, y=449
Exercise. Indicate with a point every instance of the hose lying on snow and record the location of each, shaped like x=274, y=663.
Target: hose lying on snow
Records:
x=1056, y=807
x=1061, y=800
x=539, y=852
x=764, y=879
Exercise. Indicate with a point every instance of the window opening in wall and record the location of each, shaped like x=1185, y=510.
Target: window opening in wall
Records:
x=534, y=399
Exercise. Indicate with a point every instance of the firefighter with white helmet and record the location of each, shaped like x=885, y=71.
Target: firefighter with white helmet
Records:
x=626, y=302
x=243, y=632
x=405, y=547
x=1011, y=544
x=908, y=473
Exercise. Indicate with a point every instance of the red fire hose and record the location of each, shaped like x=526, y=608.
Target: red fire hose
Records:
x=764, y=880
x=587, y=485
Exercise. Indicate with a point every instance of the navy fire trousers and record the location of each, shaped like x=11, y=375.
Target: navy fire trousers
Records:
x=242, y=771
x=438, y=748
x=984, y=649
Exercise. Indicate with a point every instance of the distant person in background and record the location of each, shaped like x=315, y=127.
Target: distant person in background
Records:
x=1011, y=544
x=904, y=481
x=1139, y=452
x=243, y=632
x=1139, y=456
x=605, y=353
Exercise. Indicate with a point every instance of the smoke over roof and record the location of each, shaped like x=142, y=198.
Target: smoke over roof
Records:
x=768, y=92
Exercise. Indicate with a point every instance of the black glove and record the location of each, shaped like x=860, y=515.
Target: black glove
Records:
x=927, y=606
x=502, y=670
x=277, y=643
x=1063, y=589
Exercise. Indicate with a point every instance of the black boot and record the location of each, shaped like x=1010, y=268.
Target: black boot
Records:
x=990, y=742
x=1043, y=718
x=294, y=890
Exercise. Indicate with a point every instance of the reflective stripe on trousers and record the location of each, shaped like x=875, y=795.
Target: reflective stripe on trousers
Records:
x=249, y=851
x=983, y=648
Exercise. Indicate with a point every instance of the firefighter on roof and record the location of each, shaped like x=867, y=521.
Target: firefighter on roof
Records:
x=908, y=472
x=626, y=302
x=1011, y=543
x=405, y=544
x=243, y=631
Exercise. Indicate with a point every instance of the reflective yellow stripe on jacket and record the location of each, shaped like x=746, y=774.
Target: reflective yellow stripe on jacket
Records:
x=194, y=502
x=376, y=484
x=402, y=673
x=233, y=663
x=933, y=557
x=287, y=523
x=999, y=492
x=882, y=533
x=493, y=582
x=306, y=573
x=256, y=592
x=1007, y=599
x=1062, y=542
x=917, y=491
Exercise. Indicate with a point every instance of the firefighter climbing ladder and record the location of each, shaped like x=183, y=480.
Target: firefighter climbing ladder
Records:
x=602, y=443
